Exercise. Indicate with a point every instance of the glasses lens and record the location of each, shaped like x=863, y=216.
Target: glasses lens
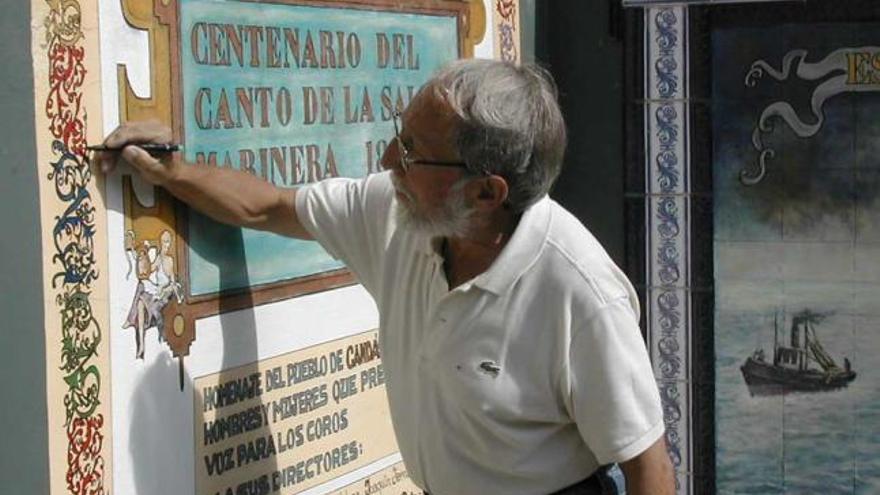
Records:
x=401, y=149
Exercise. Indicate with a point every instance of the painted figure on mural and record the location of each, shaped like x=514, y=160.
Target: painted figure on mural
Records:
x=156, y=284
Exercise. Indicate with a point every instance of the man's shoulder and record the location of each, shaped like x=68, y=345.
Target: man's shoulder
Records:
x=577, y=259
x=343, y=214
x=373, y=192
x=381, y=181
x=377, y=183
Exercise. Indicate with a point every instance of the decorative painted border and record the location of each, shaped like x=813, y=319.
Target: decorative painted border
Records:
x=667, y=188
x=507, y=43
x=73, y=235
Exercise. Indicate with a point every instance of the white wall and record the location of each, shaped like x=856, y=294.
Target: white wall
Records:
x=152, y=420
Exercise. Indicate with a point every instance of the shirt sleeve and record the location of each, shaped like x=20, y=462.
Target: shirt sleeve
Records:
x=612, y=394
x=351, y=219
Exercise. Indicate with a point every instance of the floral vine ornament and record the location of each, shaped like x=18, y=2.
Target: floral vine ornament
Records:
x=66, y=73
x=506, y=18
x=64, y=22
x=506, y=8
x=73, y=236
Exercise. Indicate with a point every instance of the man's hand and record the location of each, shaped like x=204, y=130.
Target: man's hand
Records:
x=229, y=196
x=650, y=473
x=158, y=171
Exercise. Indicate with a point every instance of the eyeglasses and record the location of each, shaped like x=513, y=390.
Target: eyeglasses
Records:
x=406, y=161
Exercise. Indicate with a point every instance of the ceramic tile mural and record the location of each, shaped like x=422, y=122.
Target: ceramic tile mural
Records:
x=796, y=147
x=667, y=191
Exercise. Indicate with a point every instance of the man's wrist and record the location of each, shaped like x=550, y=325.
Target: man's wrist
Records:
x=173, y=173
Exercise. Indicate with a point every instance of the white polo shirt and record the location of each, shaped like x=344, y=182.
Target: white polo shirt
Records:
x=521, y=381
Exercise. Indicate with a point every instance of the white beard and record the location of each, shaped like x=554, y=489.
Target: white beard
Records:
x=453, y=219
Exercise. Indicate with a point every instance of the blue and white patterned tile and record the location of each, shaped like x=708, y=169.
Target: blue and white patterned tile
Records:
x=666, y=55
x=669, y=339
x=667, y=163
x=667, y=127
x=683, y=483
x=675, y=397
x=669, y=248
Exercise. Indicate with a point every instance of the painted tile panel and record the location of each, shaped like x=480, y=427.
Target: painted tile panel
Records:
x=747, y=296
x=668, y=220
x=818, y=261
x=831, y=300
x=867, y=192
x=867, y=299
x=665, y=43
x=749, y=458
x=683, y=483
x=819, y=210
x=796, y=263
x=675, y=395
x=740, y=213
x=820, y=429
x=867, y=137
x=866, y=360
x=668, y=132
x=759, y=260
x=797, y=155
x=669, y=342
x=734, y=214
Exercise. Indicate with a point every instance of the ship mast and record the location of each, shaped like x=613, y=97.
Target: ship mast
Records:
x=775, y=337
x=806, y=359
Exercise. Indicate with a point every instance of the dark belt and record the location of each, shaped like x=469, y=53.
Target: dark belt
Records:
x=599, y=483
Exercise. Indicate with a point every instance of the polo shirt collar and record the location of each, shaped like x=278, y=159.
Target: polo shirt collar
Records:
x=517, y=256
x=521, y=250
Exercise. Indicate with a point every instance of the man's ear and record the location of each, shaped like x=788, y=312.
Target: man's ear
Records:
x=489, y=193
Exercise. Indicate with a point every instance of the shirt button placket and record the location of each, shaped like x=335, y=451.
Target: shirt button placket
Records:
x=436, y=294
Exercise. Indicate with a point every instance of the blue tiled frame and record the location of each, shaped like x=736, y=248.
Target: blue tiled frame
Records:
x=668, y=288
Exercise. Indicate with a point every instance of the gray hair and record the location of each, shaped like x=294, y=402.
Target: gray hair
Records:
x=511, y=124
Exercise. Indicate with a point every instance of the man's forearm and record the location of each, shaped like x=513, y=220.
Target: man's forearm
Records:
x=226, y=195
x=650, y=473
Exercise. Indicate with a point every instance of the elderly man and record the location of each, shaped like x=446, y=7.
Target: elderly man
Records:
x=510, y=340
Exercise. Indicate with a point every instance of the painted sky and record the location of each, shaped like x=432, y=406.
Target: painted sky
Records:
x=806, y=236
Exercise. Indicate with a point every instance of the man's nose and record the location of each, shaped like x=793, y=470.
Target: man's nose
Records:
x=390, y=159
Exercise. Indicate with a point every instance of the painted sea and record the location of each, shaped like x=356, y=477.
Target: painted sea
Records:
x=805, y=237
x=798, y=443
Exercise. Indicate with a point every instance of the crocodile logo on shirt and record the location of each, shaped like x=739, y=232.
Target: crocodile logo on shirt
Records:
x=490, y=368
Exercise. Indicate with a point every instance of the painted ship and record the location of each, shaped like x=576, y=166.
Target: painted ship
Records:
x=803, y=366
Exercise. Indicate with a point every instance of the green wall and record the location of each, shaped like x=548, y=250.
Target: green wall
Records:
x=24, y=452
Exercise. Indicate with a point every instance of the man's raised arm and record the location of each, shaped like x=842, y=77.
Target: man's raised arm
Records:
x=226, y=195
